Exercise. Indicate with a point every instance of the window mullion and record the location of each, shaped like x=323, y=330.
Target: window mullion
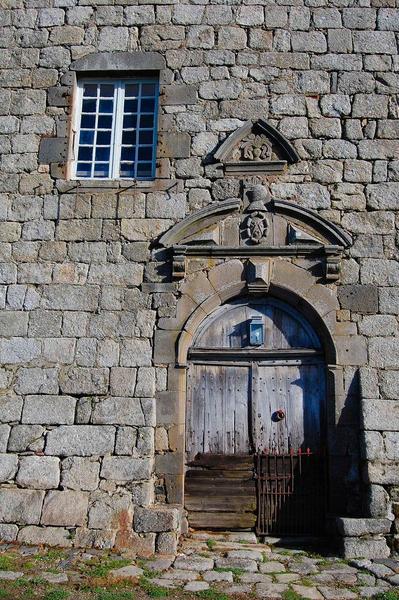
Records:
x=116, y=154
x=93, y=159
x=77, y=120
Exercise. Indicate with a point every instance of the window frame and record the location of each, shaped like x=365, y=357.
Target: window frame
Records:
x=116, y=128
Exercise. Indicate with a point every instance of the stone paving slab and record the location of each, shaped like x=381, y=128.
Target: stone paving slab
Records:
x=246, y=570
x=310, y=593
x=10, y=575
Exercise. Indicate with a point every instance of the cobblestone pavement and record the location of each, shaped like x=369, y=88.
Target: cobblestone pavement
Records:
x=207, y=565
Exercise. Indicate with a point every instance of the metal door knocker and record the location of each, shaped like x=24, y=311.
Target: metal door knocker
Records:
x=279, y=415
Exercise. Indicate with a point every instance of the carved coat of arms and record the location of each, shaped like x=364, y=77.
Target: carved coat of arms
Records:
x=255, y=223
x=256, y=226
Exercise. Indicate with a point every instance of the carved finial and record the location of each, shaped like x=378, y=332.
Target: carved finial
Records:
x=258, y=197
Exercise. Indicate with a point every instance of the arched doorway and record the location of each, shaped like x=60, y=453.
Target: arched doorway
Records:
x=255, y=421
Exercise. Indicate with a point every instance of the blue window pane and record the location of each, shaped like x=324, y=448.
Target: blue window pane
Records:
x=131, y=106
x=104, y=122
x=83, y=170
x=131, y=89
x=106, y=90
x=146, y=137
x=145, y=153
x=148, y=89
x=128, y=137
x=144, y=170
x=89, y=106
x=106, y=106
x=129, y=121
x=86, y=137
x=102, y=153
x=127, y=169
x=101, y=170
x=90, y=90
x=88, y=121
x=85, y=153
x=103, y=138
x=147, y=104
x=100, y=104
x=128, y=153
x=146, y=121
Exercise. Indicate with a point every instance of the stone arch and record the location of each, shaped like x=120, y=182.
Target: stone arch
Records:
x=289, y=283
x=202, y=293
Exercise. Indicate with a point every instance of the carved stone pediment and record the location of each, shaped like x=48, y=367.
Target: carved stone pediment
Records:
x=256, y=147
x=257, y=226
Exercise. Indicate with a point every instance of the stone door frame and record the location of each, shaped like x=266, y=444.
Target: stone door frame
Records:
x=201, y=294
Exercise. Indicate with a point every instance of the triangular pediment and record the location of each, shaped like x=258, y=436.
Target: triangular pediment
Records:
x=256, y=147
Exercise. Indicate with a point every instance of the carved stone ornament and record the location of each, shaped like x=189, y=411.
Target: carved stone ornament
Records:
x=179, y=266
x=256, y=148
x=258, y=275
x=257, y=228
x=255, y=224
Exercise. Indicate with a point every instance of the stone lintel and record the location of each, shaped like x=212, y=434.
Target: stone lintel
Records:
x=120, y=61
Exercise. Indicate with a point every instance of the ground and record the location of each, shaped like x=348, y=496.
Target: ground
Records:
x=208, y=566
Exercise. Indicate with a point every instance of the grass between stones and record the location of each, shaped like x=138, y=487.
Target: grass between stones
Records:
x=153, y=590
x=291, y=595
x=96, y=568
x=212, y=594
x=388, y=595
x=6, y=563
x=211, y=544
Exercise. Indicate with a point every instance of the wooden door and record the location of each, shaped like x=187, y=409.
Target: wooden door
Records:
x=298, y=390
x=235, y=393
x=220, y=487
x=218, y=410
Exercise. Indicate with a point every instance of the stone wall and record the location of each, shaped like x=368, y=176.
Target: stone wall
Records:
x=83, y=284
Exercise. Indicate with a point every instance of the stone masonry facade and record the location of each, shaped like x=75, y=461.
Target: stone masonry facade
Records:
x=90, y=438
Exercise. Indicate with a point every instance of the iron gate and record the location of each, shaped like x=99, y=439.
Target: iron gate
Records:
x=290, y=493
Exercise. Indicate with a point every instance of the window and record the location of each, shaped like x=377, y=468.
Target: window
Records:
x=116, y=129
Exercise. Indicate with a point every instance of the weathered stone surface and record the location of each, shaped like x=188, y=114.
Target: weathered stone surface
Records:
x=20, y=506
x=167, y=542
x=51, y=410
x=65, y=508
x=354, y=547
x=380, y=415
x=82, y=380
x=50, y=536
x=194, y=563
x=360, y=298
x=245, y=564
x=126, y=572
x=8, y=533
x=26, y=437
x=80, y=440
x=121, y=411
x=8, y=466
x=10, y=408
x=360, y=527
x=156, y=519
x=39, y=472
x=10, y=575
x=121, y=468
x=80, y=473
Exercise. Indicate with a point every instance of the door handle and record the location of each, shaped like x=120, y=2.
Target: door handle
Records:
x=279, y=415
